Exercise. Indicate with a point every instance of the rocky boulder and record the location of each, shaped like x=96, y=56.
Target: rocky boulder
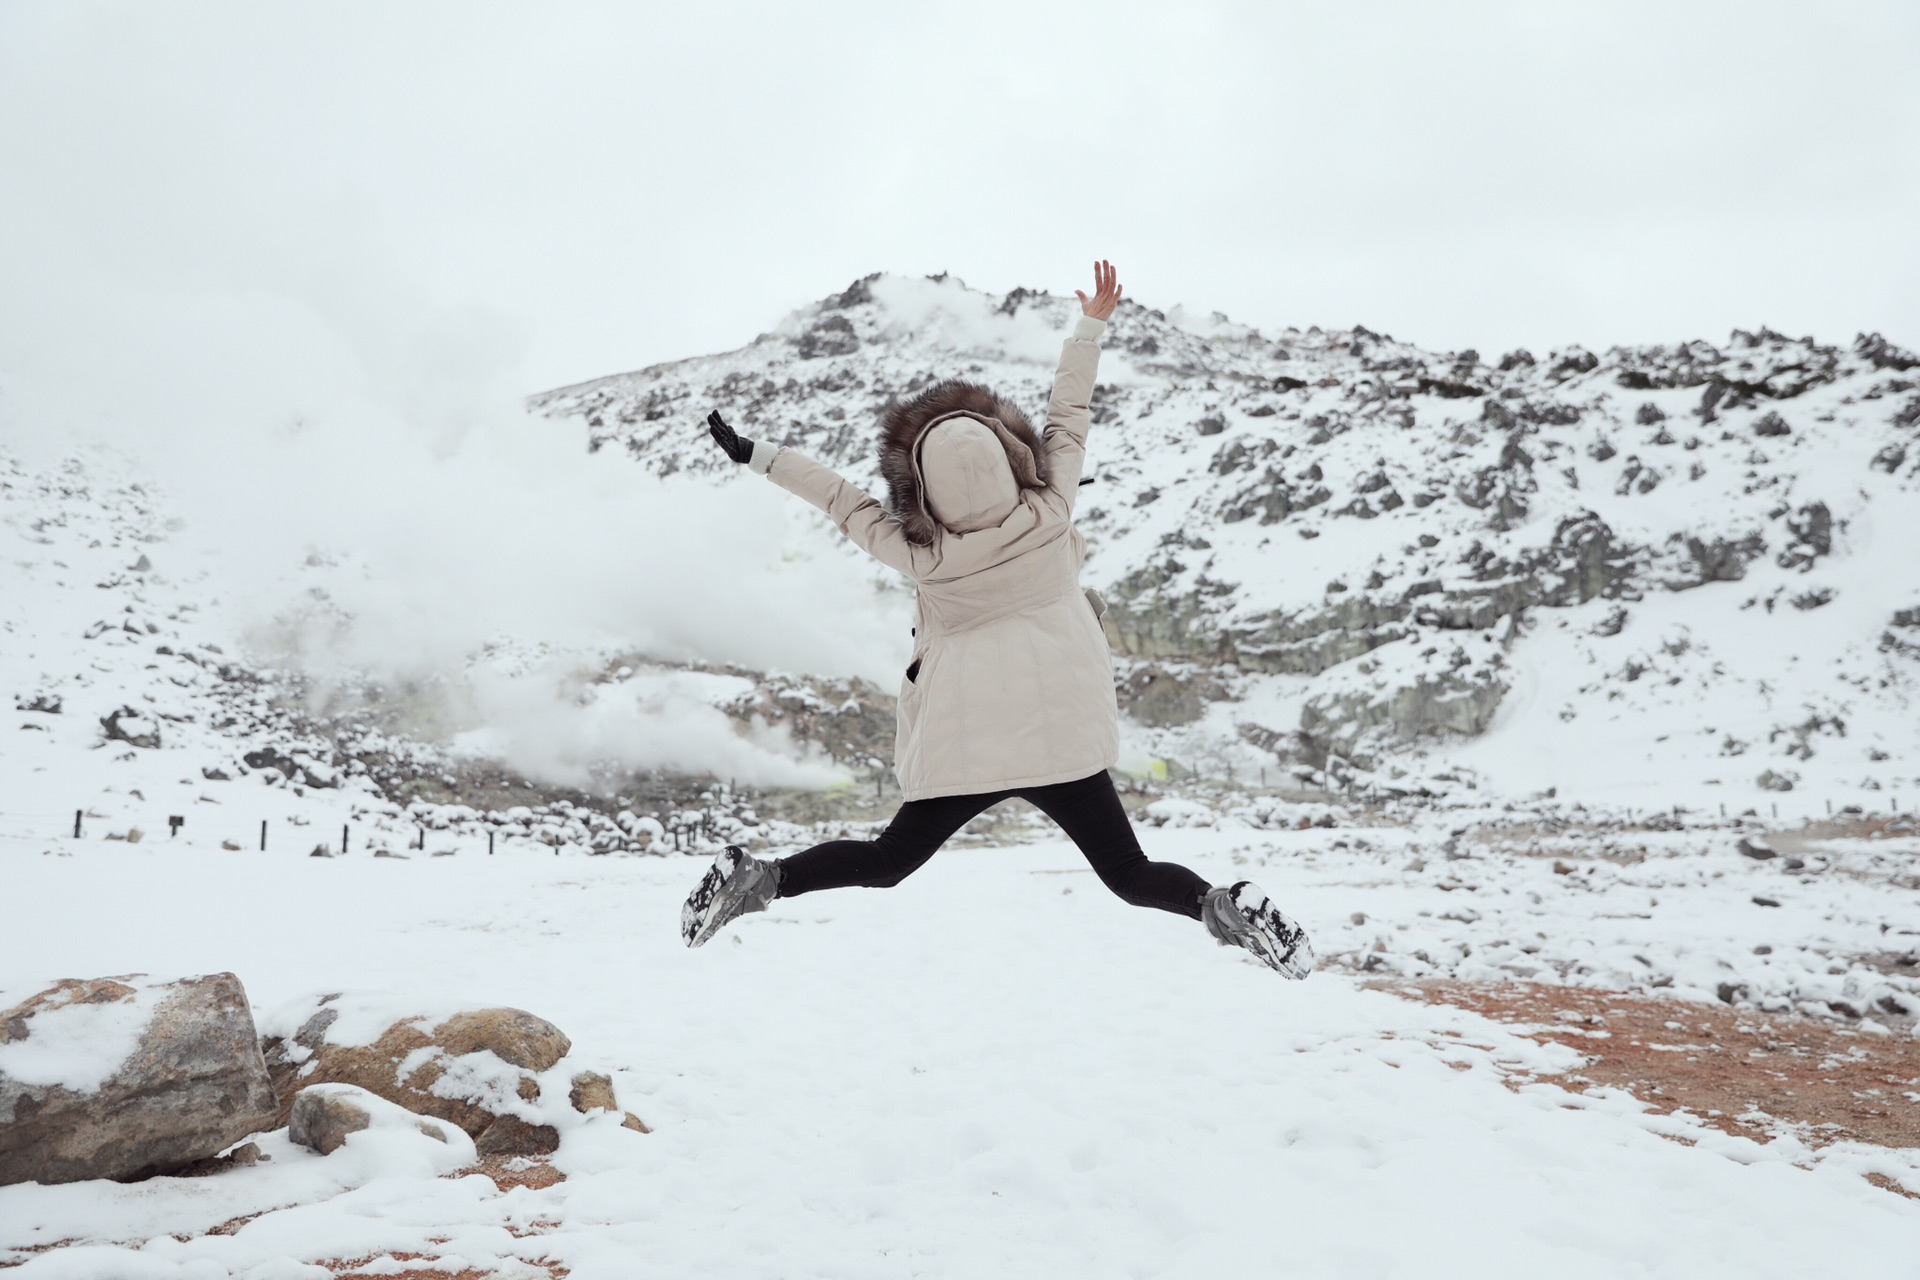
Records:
x=323, y=1115
x=590, y=1091
x=126, y=1077
x=294, y=766
x=135, y=728
x=1403, y=692
x=478, y=1069
x=1156, y=696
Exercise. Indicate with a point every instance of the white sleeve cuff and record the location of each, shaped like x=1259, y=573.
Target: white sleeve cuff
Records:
x=764, y=453
x=1089, y=329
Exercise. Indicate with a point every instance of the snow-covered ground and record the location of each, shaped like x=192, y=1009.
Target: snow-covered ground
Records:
x=995, y=1069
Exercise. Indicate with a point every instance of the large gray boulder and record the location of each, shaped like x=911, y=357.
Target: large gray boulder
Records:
x=127, y=1077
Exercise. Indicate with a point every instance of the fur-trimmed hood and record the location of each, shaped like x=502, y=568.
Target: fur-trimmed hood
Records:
x=904, y=427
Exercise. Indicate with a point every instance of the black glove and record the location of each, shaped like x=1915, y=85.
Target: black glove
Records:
x=723, y=435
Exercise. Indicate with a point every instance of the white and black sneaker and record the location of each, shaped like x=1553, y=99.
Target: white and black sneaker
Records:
x=735, y=884
x=1245, y=916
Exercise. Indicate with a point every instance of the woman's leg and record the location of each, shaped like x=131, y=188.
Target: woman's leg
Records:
x=1089, y=811
x=917, y=830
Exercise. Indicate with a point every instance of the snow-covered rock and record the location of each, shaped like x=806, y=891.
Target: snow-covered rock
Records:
x=485, y=1070
x=127, y=1076
x=324, y=1114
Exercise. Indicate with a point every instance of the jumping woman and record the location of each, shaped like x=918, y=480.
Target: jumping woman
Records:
x=1010, y=688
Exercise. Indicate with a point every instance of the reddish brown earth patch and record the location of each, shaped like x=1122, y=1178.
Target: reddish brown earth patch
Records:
x=35, y=1249
x=353, y=1269
x=1741, y=1071
x=536, y=1175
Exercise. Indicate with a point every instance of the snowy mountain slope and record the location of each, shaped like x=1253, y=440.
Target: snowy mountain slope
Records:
x=1664, y=567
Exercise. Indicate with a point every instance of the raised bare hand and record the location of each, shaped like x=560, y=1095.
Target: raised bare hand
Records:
x=1107, y=291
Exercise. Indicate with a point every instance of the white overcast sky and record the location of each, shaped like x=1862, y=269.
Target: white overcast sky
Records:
x=405, y=195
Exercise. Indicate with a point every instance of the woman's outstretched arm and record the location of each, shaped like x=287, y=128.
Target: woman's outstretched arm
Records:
x=864, y=521
x=1069, y=408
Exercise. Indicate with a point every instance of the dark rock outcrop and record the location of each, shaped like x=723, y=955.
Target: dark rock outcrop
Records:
x=1156, y=696
x=135, y=728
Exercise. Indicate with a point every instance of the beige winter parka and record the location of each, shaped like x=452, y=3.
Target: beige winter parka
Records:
x=1011, y=681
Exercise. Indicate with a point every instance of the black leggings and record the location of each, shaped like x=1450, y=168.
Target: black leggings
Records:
x=1088, y=810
